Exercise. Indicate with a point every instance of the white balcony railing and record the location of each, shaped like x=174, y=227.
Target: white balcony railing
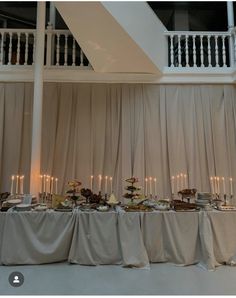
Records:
x=198, y=49
x=186, y=50
x=17, y=47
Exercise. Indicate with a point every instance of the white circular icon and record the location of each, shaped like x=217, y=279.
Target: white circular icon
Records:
x=16, y=279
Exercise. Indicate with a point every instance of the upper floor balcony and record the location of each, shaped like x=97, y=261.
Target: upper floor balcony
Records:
x=189, y=57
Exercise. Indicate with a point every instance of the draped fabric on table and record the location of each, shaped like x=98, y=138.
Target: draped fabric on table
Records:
x=121, y=130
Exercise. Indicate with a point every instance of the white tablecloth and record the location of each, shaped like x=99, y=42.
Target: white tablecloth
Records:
x=2, y=223
x=218, y=238
x=130, y=239
x=171, y=237
x=95, y=239
x=36, y=238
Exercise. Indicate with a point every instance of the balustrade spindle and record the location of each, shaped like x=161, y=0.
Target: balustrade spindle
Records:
x=26, y=48
x=2, y=42
x=34, y=46
x=10, y=48
x=201, y=50
x=18, y=49
x=66, y=49
x=209, y=50
x=171, y=51
x=179, y=51
x=223, y=51
x=81, y=58
x=186, y=51
x=216, y=51
x=73, y=52
x=58, y=49
x=194, y=51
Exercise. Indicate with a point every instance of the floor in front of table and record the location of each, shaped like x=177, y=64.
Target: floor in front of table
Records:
x=160, y=279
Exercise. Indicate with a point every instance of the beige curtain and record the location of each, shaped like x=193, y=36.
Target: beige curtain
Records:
x=121, y=130
x=15, y=132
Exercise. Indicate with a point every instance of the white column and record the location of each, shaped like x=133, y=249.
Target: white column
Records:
x=230, y=16
x=52, y=25
x=52, y=15
x=38, y=100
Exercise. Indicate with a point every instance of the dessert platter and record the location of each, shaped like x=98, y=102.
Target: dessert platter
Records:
x=181, y=206
x=40, y=207
x=137, y=208
x=162, y=205
x=226, y=208
x=188, y=194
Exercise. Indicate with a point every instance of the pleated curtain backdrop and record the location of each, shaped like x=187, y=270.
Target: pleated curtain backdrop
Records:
x=15, y=132
x=121, y=130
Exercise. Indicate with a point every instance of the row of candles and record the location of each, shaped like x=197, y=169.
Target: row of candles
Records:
x=49, y=184
x=150, y=186
x=218, y=185
x=17, y=184
x=178, y=182
x=106, y=181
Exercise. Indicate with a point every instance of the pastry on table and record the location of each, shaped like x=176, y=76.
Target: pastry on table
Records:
x=57, y=199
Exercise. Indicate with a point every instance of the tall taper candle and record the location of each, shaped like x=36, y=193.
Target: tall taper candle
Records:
x=41, y=183
x=106, y=184
x=44, y=183
x=146, y=187
x=111, y=184
x=56, y=184
x=173, y=184
x=91, y=182
x=212, y=185
x=182, y=181
x=99, y=182
x=52, y=180
x=223, y=182
x=22, y=184
x=216, y=190
x=177, y=180
x=17, y=184
x=185, y=181
x=12, y=183
x=150, y=185
x=47, y=185
x=155, y=186
x=231, y=186
x=218, y=184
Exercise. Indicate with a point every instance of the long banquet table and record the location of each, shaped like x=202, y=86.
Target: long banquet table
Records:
x=133, y=239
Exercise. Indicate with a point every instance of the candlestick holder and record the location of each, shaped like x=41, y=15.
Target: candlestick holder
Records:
x=105, y=196
x=225, y=200
x=231, y=199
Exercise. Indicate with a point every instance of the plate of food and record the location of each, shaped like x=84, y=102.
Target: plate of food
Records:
x=62, y=208
x=42, y=207
x=137, y=208
x=162, y=205
x=226, y=208
x=103, y=208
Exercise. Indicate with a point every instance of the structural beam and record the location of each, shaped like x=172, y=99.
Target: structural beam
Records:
x=38, y=100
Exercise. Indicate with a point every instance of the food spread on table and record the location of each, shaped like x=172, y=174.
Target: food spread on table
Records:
x=86, y=199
